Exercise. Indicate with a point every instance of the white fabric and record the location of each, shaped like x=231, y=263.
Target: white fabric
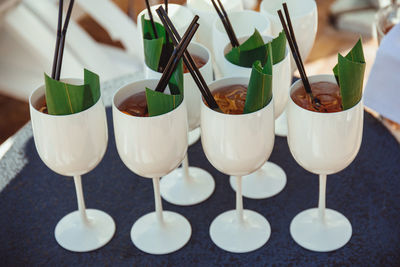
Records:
x=382, y=92
x=118, y=25
x=27, y=38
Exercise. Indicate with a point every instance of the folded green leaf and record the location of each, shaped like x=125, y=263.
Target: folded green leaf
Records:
x=147, y=29
x=279, y=48
x=233, y=56
x=63, y=98
x=254, y=49
x=259, y=90
x=157, y=51
x=247, y=58
x=159, y=103
x=152, y=52
x=93, y=80
x=176, y=82
x=349, y=73
x=254, y=41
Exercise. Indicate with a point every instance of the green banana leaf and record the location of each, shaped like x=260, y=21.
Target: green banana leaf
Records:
x=254, y=49
x=93, y=80
x=349, y=74
x=176, y=82
x=159, y=103
x=63, y=98
x=279, y=48
x=233, y=56
x=254, y=41
x=259, y=90
x=152, y=52
x=157, y=51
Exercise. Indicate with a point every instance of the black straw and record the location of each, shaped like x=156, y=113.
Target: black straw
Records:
x=291, y=31
x=62, y=41
x=176, y=56
x=151, y=18
x=296, y=55
x=166, y=32
x=55, y=58
x=226, y=23
x=188, y=60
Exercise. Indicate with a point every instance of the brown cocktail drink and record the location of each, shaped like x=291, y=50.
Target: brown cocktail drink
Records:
x=231, y=99
x=135, y=105
x=41, y=105
x=199, y=62
x=327, y=93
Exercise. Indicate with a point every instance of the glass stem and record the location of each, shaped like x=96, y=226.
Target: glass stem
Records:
x=239, y=199
x=322, y=197
x=157, y=200
x=185, y=168
x=80, y=199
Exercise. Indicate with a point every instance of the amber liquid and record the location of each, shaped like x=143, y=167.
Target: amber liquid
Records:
x=41, y=105
x=199, y=62
x=135, y=105
x=231, y=99
x=327, y=93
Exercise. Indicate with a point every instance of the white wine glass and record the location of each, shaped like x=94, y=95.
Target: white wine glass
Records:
x=270, y=179
x=152, y=147
x=324, y=144
x=238, y=145
x=189, y=185
x=304, y=17
x=73, y=145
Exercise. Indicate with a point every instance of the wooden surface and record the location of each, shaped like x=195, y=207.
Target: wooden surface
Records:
x=14, y=114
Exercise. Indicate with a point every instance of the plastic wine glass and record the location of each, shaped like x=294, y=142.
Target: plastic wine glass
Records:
x=180, y=15
x=270, y=179
x=73, y=145
x=243, y=23
x=238, y=145
x=323, y=143
x=189, y=185
x=205, y=10
x=152, y=147
x=304, y=17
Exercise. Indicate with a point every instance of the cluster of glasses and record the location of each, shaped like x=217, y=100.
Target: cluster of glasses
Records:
x=236, y=145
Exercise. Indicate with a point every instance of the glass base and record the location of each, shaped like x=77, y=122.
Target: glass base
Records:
x=73, y=235
x=266, y=182
x=194, y=136
x=229, y=234
x=310, y=233
x=178, y=190
x=281, y=128
x=151, y=236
